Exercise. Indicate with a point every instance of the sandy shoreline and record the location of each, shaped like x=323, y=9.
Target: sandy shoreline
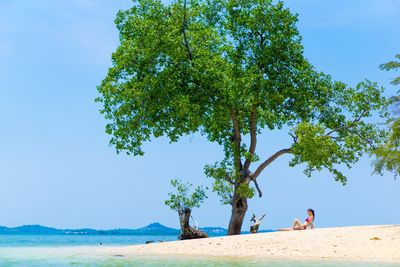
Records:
x=358, y=244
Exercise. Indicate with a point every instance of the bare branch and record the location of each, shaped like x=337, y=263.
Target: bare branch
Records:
x=257, y=187
x=267, y=162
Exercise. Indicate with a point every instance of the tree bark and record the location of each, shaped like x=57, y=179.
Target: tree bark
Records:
x=188, y=232
x=239, y=208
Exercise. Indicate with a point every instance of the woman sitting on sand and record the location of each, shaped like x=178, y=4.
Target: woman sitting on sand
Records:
x=308, y=223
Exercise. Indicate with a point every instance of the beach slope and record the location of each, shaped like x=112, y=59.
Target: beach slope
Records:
x=361, y=244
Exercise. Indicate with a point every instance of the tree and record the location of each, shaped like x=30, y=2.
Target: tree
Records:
x=230, y=70
x=183, y=204
x=388, y=153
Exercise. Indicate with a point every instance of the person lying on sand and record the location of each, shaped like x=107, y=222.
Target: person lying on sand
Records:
x=308, y=223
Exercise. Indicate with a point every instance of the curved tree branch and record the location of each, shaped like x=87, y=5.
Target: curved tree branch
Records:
x=267, y=162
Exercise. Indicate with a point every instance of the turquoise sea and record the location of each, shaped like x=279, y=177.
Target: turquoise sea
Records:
x=79, y=240
x=91, y=250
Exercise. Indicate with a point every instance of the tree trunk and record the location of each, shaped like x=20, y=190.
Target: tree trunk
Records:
x=188, y=232
x=239, y=208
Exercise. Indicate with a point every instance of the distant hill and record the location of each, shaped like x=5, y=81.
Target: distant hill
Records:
x=30, y=229
x=157, y=228
x=151, y=229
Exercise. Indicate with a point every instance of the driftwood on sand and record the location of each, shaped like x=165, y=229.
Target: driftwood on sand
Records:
x=256, y=225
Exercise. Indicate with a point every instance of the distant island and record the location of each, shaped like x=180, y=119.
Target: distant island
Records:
x=151, y=229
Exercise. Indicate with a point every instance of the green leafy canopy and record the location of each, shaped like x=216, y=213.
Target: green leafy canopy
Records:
x=388, y=153
x=183, y=198
x=230, y=69
x=393, y=65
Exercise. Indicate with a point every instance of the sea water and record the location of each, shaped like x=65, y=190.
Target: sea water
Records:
x=79, y=240
x=91, y=250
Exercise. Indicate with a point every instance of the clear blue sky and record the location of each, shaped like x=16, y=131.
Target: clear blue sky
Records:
x=56, y=168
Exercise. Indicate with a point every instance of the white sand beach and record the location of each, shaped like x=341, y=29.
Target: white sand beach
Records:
x=358, y=244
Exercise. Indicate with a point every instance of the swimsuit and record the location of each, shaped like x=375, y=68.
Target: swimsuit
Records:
x=307, y=220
